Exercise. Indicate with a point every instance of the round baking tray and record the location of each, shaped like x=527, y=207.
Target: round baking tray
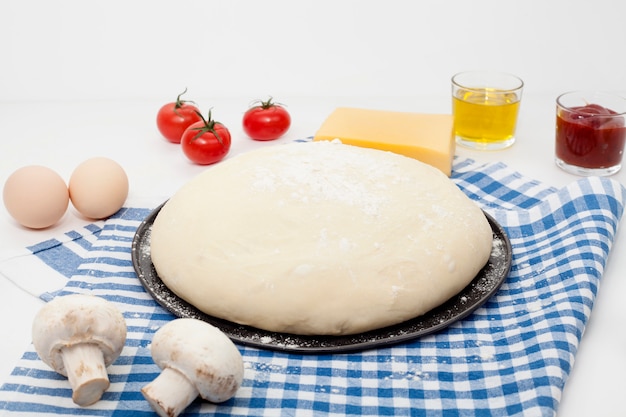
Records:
x=480, y=289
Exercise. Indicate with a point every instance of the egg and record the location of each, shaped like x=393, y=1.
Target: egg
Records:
x=35, y=196
x=98, y=187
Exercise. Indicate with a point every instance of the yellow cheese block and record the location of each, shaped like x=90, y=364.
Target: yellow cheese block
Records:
x=426, y=137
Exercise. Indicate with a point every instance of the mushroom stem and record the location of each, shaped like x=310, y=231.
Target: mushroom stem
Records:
x=86, y=372
x=170, y=393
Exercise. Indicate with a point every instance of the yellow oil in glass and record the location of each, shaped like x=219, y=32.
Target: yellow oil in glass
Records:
x=486, y=116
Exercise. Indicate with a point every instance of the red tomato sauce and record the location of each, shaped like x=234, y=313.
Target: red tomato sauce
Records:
x=590, y=138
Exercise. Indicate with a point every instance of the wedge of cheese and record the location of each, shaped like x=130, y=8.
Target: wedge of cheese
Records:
x=426, y=137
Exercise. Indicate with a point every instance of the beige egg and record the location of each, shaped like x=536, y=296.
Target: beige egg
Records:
x=35, y=196
x=98, y=187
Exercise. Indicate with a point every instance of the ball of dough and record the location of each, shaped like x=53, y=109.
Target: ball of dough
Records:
x=319, y=238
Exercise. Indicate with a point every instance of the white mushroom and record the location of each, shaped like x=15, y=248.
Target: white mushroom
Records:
x=78, y=336
x=197, y=359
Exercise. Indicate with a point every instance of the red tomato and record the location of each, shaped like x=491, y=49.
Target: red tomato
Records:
x=266, y=121
x=174, y=118
x=206, y=142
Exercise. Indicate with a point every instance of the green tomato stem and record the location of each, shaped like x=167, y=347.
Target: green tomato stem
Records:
x=209, y=126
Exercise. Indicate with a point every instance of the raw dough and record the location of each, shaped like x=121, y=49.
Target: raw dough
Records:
x=319, y=238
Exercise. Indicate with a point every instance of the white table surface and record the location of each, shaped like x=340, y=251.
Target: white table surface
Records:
x=60, y=135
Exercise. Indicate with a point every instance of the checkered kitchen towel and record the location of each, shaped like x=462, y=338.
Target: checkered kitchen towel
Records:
x=510, y=357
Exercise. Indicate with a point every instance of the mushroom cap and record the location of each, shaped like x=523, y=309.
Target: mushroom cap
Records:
x=74, y=319
x=203, y=354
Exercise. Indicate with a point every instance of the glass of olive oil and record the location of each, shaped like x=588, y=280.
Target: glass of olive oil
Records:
x=485, y=106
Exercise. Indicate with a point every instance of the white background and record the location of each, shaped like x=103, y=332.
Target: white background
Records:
x=80, y=78
x=141, y=49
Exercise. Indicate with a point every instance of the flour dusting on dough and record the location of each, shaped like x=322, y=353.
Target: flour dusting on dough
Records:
x=319, y=239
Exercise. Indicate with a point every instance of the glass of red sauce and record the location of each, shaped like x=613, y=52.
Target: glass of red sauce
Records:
x=590, y=132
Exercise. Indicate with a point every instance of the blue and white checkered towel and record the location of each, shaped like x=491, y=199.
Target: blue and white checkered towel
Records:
x=510, y=357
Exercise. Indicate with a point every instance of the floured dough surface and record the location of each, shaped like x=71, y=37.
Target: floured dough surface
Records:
x=319, y=238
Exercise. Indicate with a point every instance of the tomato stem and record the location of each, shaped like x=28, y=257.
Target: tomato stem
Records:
x=265, y=104
x=209, y=126
x=179, y=102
